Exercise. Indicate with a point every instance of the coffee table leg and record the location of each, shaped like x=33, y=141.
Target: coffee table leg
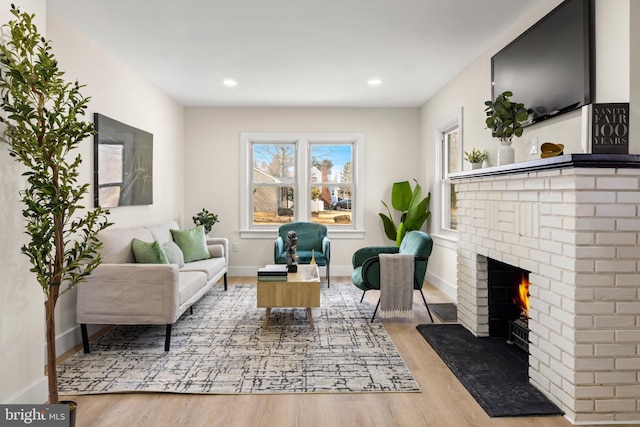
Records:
x=310, y=316
x=266, y=318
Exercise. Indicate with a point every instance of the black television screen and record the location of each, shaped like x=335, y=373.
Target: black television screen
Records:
x=549, y=68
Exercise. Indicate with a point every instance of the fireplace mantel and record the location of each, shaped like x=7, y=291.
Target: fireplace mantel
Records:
x=620, y=161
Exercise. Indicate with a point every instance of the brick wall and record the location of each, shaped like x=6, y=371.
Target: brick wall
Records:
x=577, y=231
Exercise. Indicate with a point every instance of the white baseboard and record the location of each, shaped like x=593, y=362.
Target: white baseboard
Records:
x=449, y=289
x=36, y=393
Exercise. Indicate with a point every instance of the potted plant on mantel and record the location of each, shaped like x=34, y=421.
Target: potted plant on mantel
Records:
x=40, y=113
x=505, y=118
x=414, y=210
x=476, y=157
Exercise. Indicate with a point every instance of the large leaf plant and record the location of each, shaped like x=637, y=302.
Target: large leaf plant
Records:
x=41, y=116
x=413, y=210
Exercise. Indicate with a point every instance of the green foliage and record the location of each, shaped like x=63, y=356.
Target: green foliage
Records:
x=412, y=208
x=40, y=113
x=505, y=117
x=205, y=218
x=476, y=156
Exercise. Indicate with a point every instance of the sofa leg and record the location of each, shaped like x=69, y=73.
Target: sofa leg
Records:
x=85, y=338
x=167, y=338
x=225, y=281
x=191, y=310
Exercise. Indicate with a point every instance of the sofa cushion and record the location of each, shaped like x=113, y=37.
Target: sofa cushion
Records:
x=148, y=252
x=192, y=242
x=210, y=266
x=174, y=253
x=161, y=233
x=190, y=283
x=116, y=243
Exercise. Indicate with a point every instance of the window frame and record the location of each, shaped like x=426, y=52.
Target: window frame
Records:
x=450, y=123
x=303, y=164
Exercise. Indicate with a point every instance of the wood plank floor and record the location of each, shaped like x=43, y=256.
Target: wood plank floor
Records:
x=442, y=402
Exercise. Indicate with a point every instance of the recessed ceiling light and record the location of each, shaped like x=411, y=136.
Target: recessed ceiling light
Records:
x=374, y=82
x=230, y=82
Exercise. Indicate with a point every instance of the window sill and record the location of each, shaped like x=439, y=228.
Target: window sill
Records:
x=449, y=241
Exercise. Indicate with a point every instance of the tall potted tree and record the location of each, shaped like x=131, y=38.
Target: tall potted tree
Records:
x=41, y=114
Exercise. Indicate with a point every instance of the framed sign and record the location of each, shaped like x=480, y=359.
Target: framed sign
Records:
x=610, y=128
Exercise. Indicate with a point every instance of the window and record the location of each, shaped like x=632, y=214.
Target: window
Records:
x=302, y=177
x=450, y=154
x=451, y=150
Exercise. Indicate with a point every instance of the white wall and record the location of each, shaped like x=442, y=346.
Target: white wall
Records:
x=212, y=179
x=472, y=87
x=21, y=299
x=119, y=93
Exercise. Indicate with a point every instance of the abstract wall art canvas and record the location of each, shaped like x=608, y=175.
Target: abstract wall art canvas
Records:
x=123, y=164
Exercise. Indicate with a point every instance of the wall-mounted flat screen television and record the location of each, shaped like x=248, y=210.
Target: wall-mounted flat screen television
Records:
x=549, y=68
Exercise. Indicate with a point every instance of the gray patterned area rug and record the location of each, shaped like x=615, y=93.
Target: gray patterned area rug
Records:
x=222, y=349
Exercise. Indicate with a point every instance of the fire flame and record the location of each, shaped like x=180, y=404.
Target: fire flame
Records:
x=522, y=299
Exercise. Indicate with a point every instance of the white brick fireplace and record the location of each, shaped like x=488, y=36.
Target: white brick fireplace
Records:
x=573, y=222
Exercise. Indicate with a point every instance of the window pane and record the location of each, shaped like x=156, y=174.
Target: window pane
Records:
x=453, y=152
x=331, y=163
x=453, y=209
x=272, y=204
x=330, y=206
x=274, y=163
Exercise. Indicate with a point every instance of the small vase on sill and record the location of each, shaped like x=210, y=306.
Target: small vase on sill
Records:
x=505, y=153
x=476, y=165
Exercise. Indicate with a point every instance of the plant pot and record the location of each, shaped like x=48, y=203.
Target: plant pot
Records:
x=73, y=407
x=505, y=153
x=476, y=165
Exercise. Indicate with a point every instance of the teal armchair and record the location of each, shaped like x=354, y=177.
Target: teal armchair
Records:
x=311, y=236
x=366, y=264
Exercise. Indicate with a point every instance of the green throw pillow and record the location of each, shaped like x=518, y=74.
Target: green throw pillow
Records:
x=148, y=252
x=174, y=254
x=192, y=242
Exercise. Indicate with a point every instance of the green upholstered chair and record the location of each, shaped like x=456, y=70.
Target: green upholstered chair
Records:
x=311, y=236
x=366, y=264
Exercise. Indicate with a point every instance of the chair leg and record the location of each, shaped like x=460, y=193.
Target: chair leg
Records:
x=328, y=284
x=375, y=311
x=426, y=305
x=362, y=299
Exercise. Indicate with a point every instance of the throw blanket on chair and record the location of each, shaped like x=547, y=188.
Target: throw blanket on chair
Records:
x=396, y=285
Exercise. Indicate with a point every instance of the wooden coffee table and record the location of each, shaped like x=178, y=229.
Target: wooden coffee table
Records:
x=302, y=289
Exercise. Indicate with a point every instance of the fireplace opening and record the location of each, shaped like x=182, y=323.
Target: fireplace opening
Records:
x=508, y=303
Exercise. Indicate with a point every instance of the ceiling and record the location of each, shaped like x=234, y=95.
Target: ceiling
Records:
x=300, y=53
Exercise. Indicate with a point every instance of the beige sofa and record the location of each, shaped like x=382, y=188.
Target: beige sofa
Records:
x=122, y=292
